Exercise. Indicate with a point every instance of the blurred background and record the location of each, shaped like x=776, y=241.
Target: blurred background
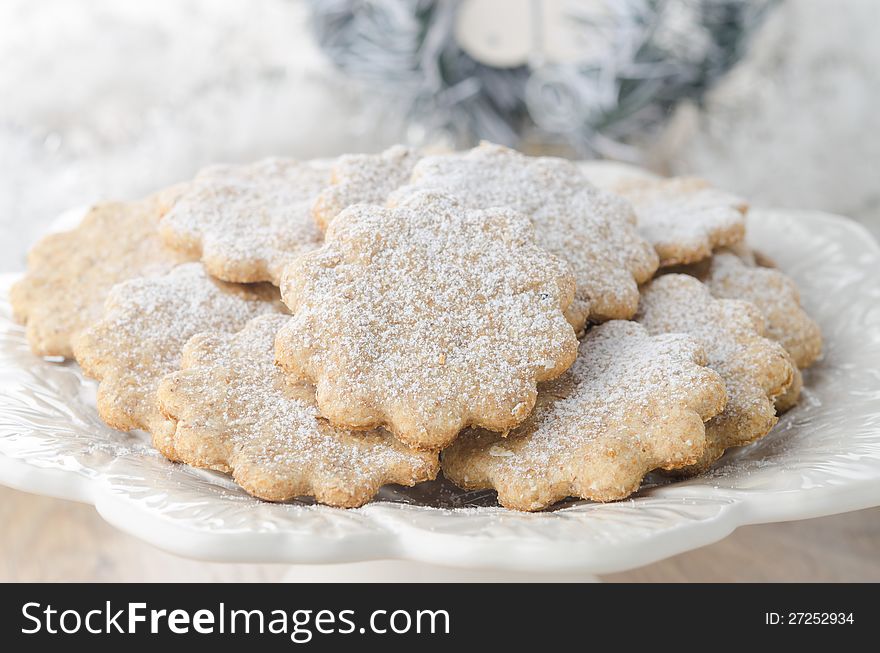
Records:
x=775, y=99
x=99, y=99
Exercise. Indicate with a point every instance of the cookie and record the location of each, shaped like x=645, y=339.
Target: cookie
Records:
x=236, y=412
x=631, y=403
x=139, y=338
x=363, y=178
x=777, y=297
x=608, y=174
x=246, y=222
x=70, y=273
x=789, y=399
x=731, y=273
x=755, y=370
x=685, y=218
x=593, y=231
x=426, y=318
x=751, y=257
x=745, y=253
x=759, y=259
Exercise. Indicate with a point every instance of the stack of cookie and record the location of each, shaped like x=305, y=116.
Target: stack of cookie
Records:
x=322, y=329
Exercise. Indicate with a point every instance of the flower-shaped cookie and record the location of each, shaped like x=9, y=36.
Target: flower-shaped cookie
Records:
x=631, y=403
x=426, y=318
x=237, y=412
x=246, y=222
x=70, y=273
x=777, y=297
x=363, y=179
x=685, y=218
x=139, y=338
x=593, y=231
x=755, y=370
x=742, y=273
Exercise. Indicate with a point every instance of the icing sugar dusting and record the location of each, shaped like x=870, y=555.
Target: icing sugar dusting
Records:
x=684, y=218
x=247, y=222
x=629, y=404
x=145, y=325
x=427, y=317
x=237, y=412
x=593, y=231
x=69, y=274
x=755, y=370
x=363, y=179
x=776, y=296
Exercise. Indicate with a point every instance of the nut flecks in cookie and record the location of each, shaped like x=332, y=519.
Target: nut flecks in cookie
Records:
x=246, y=222
x=363, y=179
x=593, y=231
x=776, y=296
x=755, y=370
x=631, y=403
x=145, y=324
x=236, y=412
x=70, y=273
x=685, y=218
x=427, y=317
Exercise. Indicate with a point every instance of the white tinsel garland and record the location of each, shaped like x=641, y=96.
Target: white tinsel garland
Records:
x=646, y=56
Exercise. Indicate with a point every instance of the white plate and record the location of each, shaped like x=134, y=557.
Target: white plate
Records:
x=823, y=458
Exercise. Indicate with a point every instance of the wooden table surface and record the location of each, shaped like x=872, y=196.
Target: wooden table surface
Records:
x=46, y=539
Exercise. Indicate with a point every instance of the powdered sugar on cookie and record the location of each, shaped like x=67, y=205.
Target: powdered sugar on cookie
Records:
x=246, y=222
x=363, y=179
x=236, y=412
x=427, y=317
x=685, y=218
x=70, y=273
x=139, y=339
x=631, y=403
x=593, y=231
x=777, y=297
x=755, y=370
